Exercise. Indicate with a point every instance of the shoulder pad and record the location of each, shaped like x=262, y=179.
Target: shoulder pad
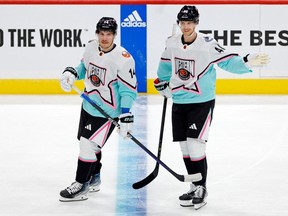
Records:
x=126, y=54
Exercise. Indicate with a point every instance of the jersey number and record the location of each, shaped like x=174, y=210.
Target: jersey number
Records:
x=132, y=73
x=219, y=48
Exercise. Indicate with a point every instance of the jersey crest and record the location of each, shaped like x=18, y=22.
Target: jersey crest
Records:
x=96, y=75
x=184, y=68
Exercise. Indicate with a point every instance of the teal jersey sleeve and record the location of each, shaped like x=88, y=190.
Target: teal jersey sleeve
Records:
x=234, y=65
x=81, y=70
x=164, y=71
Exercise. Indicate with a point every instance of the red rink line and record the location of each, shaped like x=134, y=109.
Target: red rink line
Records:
x=65, y=2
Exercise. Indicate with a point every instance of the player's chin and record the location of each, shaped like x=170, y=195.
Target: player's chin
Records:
x=105, y=45
x=188, y=33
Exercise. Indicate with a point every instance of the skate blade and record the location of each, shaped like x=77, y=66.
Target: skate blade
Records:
x=93, y=190
x=94, y=187
x=200, y=205
x=78, y=198
x=186, y=203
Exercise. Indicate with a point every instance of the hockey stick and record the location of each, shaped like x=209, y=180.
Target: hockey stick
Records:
x=183, y=178
x=154, y=173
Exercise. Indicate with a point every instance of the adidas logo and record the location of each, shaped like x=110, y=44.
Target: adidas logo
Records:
x=193, y=127
x=88, y=127
x=133, y=20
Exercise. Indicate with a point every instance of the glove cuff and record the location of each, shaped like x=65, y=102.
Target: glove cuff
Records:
x=160, y=86
x=71, y=70
x=126, y=118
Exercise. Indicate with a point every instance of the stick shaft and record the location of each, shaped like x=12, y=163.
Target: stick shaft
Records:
x=179, y=177
x=154, y=173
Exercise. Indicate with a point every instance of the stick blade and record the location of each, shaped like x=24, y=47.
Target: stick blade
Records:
x=146, y=180
x=193, y=177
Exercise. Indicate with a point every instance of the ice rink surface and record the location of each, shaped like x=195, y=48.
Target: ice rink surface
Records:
x=247, y=158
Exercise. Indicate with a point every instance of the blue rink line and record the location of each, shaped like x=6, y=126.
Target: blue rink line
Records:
x=131, y=166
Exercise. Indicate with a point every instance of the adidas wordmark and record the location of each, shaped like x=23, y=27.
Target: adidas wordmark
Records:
x=133, y=20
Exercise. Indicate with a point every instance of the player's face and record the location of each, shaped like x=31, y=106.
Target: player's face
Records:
x=187, y=27
x=105, y=39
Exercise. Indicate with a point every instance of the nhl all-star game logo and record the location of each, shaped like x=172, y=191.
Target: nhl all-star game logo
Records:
x=133, y=20
x=96, y=74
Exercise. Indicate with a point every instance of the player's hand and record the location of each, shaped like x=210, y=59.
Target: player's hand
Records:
x=125, y=125
x=257, y=59
x=67, y=78
x=163, y=88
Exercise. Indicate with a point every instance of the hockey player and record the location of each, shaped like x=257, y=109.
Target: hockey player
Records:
x=186, y=72
x=109, y=76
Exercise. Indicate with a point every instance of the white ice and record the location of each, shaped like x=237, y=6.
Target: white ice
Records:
x=247, y=157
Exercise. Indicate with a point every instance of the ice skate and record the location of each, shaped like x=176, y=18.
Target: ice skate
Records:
x=186, y=199
x=94, y=183
x=200, y=196
x=75, y=192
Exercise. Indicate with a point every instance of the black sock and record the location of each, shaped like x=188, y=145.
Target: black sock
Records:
x=200, y=166
x=83, y=172
x=97, y=165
